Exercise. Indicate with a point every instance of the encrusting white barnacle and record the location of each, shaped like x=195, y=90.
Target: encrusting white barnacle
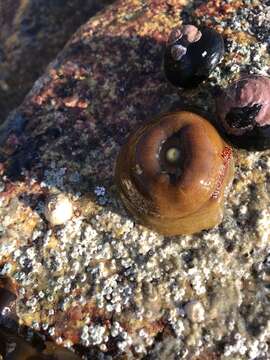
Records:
x=58, y=209
x=195, y=311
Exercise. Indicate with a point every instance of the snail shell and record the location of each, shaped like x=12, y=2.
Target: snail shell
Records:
x=172, y=174
x=191, y=54
x=243, y=110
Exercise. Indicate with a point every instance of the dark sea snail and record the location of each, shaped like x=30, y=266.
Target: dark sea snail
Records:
x=173, y=173
x=244, y=112
x=191, y=54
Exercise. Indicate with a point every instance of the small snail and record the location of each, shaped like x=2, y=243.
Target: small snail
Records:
x=191, y=54
x=172, y=174
x=244, y=112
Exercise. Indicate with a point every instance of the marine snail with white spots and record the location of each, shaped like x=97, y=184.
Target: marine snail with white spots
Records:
x=191, y=54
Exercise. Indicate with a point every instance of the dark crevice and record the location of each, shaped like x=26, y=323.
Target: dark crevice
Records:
x=243, y=117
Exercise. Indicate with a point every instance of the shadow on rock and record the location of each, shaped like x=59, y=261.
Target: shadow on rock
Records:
x=72, y=145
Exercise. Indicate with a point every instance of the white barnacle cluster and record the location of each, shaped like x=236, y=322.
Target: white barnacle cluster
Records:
x=263, y=226
x=177, y=322
x=238, y=347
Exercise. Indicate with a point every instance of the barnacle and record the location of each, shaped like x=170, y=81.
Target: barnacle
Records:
x=243, y=110
x=58, y=209
x=191, y=54
x=172, y=174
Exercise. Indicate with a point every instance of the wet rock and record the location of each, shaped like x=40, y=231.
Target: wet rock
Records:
x=102, y=283
x=32, y=32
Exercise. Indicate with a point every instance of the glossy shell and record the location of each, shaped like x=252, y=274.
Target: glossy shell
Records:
x=243, y=110
x=173, y=173
x=191, y=54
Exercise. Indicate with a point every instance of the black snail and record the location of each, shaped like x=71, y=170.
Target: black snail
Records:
x=191, y=54
x=173, y=173
x=243, y=110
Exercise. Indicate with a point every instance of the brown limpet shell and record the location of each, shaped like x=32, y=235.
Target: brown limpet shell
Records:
x=173, y=173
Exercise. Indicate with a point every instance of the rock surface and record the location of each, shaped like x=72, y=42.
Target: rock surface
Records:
x=101, y=282
x=32, y=33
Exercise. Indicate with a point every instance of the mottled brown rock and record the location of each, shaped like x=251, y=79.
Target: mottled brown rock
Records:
x=32, y=32
x=101, y=282
x=8, y=292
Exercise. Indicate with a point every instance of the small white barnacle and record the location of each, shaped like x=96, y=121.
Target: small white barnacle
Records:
x=58, y=209
x=195, y=311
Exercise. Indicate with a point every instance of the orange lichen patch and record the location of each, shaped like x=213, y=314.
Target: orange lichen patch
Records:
x=70, y=68
x=239, y=36
x=74, y=101
x=155, y=17
x=21, y=212
x=11, y=190
x=68, y=325
x=70, y=333
x=151, y=327
x=96, y=313
x=76, y=313
x=218, y=8
x=42, y=97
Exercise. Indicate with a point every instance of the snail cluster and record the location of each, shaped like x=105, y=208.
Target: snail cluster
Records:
x=173, y=173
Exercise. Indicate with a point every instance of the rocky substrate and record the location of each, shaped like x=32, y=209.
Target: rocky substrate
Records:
x=100, y=283
x=32, y=33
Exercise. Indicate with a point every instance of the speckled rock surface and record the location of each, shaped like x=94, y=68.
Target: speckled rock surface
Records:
x=100, y=282
x=32, y=33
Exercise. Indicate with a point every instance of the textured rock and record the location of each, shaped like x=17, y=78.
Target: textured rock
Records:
x=100, y=281
x=32, y=32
